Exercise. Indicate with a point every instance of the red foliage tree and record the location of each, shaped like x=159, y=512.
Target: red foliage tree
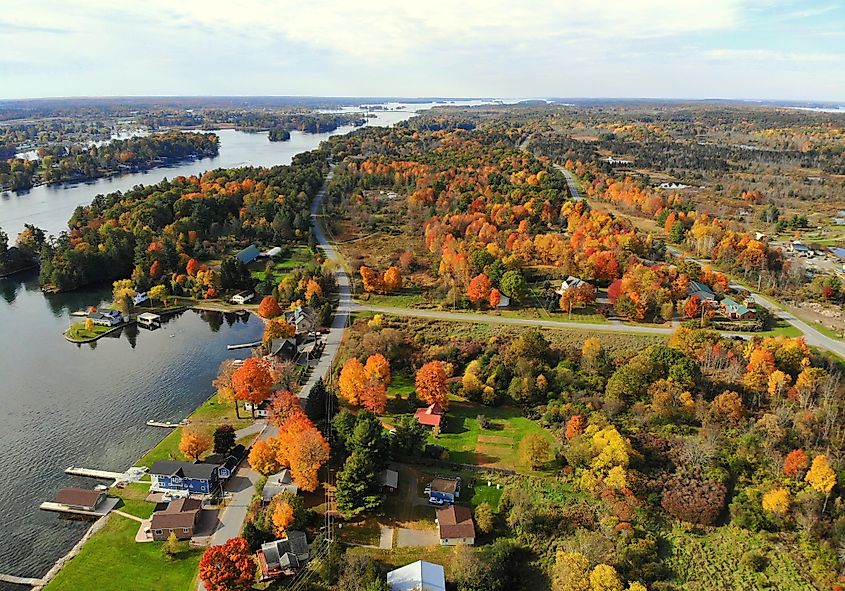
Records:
x=795, y=463
x=269, y=307
x=495, y=298
x=228, y=567
x=695, y=501
x=192, y=267
x=374, y=396
x=432, y=383
x=155, y=270
x=479, y=288
x=693, y=307
x=575, y=426
x=284, y=406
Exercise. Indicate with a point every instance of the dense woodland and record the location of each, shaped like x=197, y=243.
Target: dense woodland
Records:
x=59, y=163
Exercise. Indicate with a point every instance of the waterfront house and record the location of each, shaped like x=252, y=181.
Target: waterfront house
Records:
x=419, y=575
x=260, y=410
x=283, y=557
x=455, y=526
x=276, y=484
x=737, y=311
x=80, y=499
x=149, y=319
x=799, y=248
x=302, y=318
x=105, y=317
x=389, y=480
x=242, y=298
x=443, y=490
x=228, y=462
x=180, y=517
x=247, y=255
x=702, y=290
x=431, y=416
x=198, y=479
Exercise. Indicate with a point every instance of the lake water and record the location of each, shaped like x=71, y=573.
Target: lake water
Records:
x=85, y=405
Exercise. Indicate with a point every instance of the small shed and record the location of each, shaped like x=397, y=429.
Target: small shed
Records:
x=149, y=319
x=389, y=480
x=82, y=499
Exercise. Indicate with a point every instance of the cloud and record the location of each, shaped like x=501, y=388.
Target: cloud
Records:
x=771, y=55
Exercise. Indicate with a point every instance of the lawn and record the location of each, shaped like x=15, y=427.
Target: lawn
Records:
x=112, y=560
x=78, y=332
x=826, y=331
x=363, y=532
x=779, y=327
x=300, y=256
x=497, y=446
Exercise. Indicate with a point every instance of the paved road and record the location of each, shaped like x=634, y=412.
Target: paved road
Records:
x=570, y=180
x=812, y=336
x=612, y=326
x=241, y=486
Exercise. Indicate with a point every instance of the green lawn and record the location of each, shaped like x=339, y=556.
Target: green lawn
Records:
x=78, y=332
x=404, y=299
x=300, y=256
x=779, y=327
x=112, y=560
x=828, y=332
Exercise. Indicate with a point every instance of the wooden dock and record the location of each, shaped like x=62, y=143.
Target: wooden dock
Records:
x=243, y=346
x=167, y=424
x=25, y=581
x=101, y=474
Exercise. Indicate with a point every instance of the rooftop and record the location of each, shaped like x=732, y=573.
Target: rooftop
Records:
x=419, y=575
x=183, y=469
x=455, y=522
x=80, y=497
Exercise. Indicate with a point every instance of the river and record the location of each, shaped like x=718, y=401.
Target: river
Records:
x=86, y=405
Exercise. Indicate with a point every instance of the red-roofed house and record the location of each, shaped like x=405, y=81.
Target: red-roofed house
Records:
x=432, y=416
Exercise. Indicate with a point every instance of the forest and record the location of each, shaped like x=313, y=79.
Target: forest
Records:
x=59, y=163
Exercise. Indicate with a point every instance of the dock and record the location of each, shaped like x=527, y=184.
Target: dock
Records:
x=107, y=505
x=167, y=424
x=243, y=346
x=101, y=474
x=25, y=581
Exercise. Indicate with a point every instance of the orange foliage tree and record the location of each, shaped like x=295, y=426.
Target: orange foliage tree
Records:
x=575, y=426
x=392, y=279
x=269, y=307
x=194, y=442
x=795, y=463
x=371, y=279
x=378, y=368
x=284, y=406
x=302, y=447
x=251, y=381
x=374, y=396
x=262, y=457
x=495, y=297
x=432, y=383
x=479, y=288
x=282, y=517
x=352, y=379
x=228, y=567
x=312, y=289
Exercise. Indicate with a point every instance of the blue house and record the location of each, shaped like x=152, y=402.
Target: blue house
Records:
x=247, y=255
x=443, y=491
x=199, y=479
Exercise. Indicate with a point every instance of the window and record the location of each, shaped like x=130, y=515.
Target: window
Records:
x=158, y=532
x=186, y=530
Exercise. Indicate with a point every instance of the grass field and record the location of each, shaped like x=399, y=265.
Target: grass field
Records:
x=300, y=256
x=112, y=561
x=78, y=332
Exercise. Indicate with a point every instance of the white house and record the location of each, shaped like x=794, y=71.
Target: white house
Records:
x=417, y=576
x=504, y=301
x=242, y=298
x=140, y=298
x=570, y=282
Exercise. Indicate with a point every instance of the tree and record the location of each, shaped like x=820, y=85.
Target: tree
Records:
x=228, y=567
x=604, y=578
x=277, y=328
x=172, y=547
x=696, y=501
x=313, y=289
x=269, y=308
x=728, y=407
x=123, y=294
x=372, y=281
x=224, y=439
x=408, y=438
x=778, y=384
x=284, y=406
x=353, y=378
x=251, y=382
x=431, y=383
x=479, y=288
x=777, y=501
x=378, y=368
x=571, y=572
x=692, y=309
x=89, y=325
x=534, y=450
x=263, y=457
x=484, y=518
x=194, y=442
x=282, y=517
x=574, y=427
x=374, y=396
x=392, y=279
x=315, y=404
x=192, y=267
x=301, y=446
x=795, y=463
x=495, y=298
x=821, y=477
x=158, y=293
x=513, y=285
x=357, y=486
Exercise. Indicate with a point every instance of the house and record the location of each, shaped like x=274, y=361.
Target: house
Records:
x=443, y=490
x=277, y=484
x=504, y=301
x=180, y=517
x=735, y=310
x=389, y=480
x=273, y=252
x=799, y=248
x=139, y=298
x=672, y=185
x=702, y=290
x=569, y=283
x=431, y=416
x=247, y=255
x=417, y=576
x=302, y=318
x=105, y=317
x=455, y=526
x=285, y=348
x=80, y=499
x=261, y=410
x=242, y=298
x=199, y=479
x=228, y=462
x=283, y=557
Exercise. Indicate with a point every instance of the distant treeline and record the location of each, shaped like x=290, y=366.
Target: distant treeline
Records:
x=74, y=163
x=258, y=120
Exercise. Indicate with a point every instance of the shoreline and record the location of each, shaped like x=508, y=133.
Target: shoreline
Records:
x=118, y=327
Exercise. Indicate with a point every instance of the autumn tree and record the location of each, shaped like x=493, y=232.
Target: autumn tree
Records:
x=263, y=457
x=269, y=308
x=432, y=383
x=495, y=298
x=251, y=381
x=353, y=378
x=571, y=572
x=761, y=365
x=282, y=517
x=778, y=384
x=795, y=463
x=727, y=406
x=192, y=267
x=692, y=308
x=277, y=328
x=695, y=501
x=575, y=426
x=228, y=567
x=373, y=396
x=479, y=288
x=821, y=477
x=313, y=289
x=605, y=578
x=284, y=406
x=534, y=450
x=378, y=368
x=194, y=443
x=302, y=447
x=372, y=281
x=484, y=518
x=392, y=279
x=777, y=501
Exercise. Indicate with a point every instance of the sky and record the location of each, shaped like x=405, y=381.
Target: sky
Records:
x=741, y=49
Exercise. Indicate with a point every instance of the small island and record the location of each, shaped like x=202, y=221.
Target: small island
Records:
x=278, y=134
x=22, y=256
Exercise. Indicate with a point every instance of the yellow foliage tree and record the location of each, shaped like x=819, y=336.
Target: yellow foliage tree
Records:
x=616, y=478
x=571, y=572
x=263, y=457
x=611, y=449
x=605, y=578
x=777, y=501
x=779, y=383
x=821, y=476
x=282, y=517
x=194, y=442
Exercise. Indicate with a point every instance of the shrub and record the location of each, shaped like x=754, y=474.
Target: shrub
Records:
x=695, y=501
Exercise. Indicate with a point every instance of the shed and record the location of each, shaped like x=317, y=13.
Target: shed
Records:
x=417, y=576
x=83, y=499
x=389, y=480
